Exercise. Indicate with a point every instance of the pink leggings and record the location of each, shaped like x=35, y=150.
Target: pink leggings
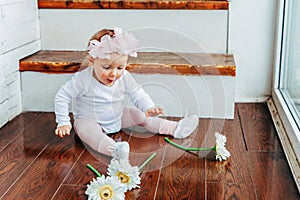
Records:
x=91, y=133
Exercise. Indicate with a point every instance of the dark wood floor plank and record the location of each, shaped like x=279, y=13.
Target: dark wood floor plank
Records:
x=71, y=192
x=16, y=127
x=140, y=149
x=80, y=175
x=183, y=179
x=147, y=187
x=21, y=152
x=49, y=169
x=240, y=191
x=233, y=170
x=143, y=145
x=236, y=168
x=260, y=133
x=230, y=128
x=230, y=179
x=183, y=173
x=272, y=177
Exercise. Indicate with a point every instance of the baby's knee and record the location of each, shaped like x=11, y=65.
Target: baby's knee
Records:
x=136, y=116
x=139, y=118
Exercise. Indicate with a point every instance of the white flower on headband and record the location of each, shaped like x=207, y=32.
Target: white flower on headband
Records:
x=120, y=42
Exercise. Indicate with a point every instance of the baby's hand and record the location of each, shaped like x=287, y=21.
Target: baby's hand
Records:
x=154, y=111
x=62, y=131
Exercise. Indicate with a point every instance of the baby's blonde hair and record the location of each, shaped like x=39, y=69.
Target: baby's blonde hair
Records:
x=99, y=34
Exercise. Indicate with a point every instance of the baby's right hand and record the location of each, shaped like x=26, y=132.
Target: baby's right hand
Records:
x=63, y=130
x=154, y=111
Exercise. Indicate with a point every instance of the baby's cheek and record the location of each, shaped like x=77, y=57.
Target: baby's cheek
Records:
x=103, y=76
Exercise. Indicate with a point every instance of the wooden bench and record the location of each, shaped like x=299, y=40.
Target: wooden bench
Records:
x=203, y=84
x=145, y=63
x=135, y=4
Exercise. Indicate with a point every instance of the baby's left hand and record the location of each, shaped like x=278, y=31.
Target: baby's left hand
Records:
x=154, y=111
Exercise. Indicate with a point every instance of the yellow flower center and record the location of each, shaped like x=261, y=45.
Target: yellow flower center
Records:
x=123, y=177
x=105, y=192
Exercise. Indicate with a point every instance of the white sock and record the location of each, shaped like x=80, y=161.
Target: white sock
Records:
x=121, y=150
x=186, y=126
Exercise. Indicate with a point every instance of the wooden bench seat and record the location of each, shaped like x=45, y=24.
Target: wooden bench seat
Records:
x=136, y=4
x=145, y=63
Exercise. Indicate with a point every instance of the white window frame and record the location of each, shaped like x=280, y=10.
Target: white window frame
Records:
x=285, y=123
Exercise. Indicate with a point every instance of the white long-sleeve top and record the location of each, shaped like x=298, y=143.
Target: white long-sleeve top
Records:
x=94, y=101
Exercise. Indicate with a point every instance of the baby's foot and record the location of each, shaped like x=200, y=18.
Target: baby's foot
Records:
x=186, y=126
x=121, y=151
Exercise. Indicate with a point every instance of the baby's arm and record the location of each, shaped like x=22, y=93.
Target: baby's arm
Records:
x=62, y=100
x=154, y=111
x=140, y=98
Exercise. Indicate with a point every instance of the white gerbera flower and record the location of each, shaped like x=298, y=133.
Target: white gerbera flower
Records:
x=128, y=175
x=221, y=151
x=108, y=188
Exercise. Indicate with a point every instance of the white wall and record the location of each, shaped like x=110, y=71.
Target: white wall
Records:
x=251, y=40
x=19, y=37
x=168, y=30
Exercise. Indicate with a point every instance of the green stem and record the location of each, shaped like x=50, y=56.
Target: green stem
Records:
x=187, y=148
x=147, y=161
x=93, y=170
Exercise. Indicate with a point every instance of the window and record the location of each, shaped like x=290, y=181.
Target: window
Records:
x=289, y=83
x=286, y=85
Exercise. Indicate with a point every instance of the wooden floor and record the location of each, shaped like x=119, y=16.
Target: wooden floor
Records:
x=35, y=164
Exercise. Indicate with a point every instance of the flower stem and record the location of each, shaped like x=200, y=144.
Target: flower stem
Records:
x=93, y=170
x=187, y=148
x=147, y=161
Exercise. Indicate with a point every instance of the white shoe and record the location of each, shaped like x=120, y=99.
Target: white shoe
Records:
x=186, y=126
x=121, y=151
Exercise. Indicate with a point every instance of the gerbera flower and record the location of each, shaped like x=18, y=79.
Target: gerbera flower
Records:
x=108, y=188
x=221, y=152
x=128, y=175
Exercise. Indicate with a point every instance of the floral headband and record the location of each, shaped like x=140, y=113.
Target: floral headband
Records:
x=119, y=42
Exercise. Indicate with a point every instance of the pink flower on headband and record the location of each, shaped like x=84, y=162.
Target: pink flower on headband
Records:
x=120, y=42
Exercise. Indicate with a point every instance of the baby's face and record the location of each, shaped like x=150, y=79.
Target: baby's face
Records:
x=107, y=71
